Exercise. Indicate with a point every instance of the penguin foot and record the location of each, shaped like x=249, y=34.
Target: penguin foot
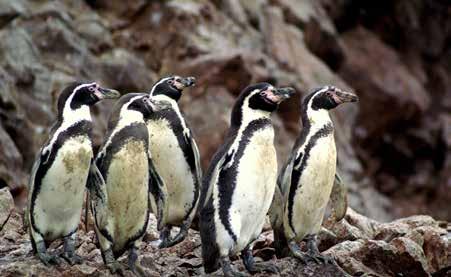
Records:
x=165, y=237
x=133, y=262
x=254, y=267
x=320, y=259
x=115, y=267
x=48, y=259
x=178, y=239
x=314, y=258
x=138, y=270
x=72, y=258
x=228, y=270
x=264, y=267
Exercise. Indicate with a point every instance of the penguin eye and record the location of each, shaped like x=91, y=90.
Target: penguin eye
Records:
x=91, y=89
x=170, y=82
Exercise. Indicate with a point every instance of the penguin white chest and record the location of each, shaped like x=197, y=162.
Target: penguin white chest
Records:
x=127, y=188
x=314, y=187
x=254, y=190
x=173, y=168
x=58, y=206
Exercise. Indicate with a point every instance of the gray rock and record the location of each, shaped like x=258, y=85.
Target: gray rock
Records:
x=6, y=206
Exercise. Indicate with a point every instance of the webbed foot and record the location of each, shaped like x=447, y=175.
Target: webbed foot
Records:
x=257, y=267
x=72, y=258
x=115, y=267
x=133, y=262
x=179, y=238
x=49, y=259
x=228, y=270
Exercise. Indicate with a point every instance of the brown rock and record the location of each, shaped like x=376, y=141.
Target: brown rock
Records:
x=385, y=87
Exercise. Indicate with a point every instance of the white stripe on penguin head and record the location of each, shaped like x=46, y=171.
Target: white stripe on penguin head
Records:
x=158, y=83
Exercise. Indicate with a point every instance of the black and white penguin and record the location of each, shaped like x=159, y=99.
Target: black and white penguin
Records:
x=239, y=185
x=307, y=179
x=58, y=178
x=125, y=186
x=176, y=157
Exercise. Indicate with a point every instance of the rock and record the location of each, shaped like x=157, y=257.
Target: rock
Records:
x=10, y=162
x=10, y=10
x=6, y=206
x=123, y=71
x=219, y=118
x=383, y=86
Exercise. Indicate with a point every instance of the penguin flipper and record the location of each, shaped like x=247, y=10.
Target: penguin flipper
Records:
x=339, y=198
x=195, y=151
x=198, y=173
x=158, y=194
x=98, y=197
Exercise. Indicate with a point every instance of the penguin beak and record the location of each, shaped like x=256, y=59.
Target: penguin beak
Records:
x=285, y=93
x=181, y=83
x=276, y=96
x=106, y=93
x=340, y=96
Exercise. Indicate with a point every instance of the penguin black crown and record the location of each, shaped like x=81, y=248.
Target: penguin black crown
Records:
x=297, y=213
x=176, y=157
x=239, y=185
x=58, y=178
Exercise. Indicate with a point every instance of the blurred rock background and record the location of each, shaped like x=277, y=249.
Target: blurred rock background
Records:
x=394, y=145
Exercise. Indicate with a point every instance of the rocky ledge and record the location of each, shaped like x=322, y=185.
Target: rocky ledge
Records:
x=412, y=246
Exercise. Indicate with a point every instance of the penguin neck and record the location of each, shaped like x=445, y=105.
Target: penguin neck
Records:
x=69, y=116
x=128, y=117
x=66, y=118
x=176, y=109
x=316, y=118
x=241, y=118
x=164, y=97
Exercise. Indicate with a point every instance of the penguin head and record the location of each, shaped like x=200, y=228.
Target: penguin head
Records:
x=146, y=105
x=76, y=98
x=328, y=97
x=264, y=96
x=79, y=94
x=140, y=103
x=259, y=97
x=172, y=86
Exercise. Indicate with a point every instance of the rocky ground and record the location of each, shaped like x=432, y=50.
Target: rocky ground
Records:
x=394, y=147
x=414, y=246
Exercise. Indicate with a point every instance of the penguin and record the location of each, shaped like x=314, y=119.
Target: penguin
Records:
x=238, y=187
x=58, y=177
x=124, y=184
x=309, y=176
x=176, y=157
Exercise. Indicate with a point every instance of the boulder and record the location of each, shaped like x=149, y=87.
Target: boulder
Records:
x=6, y=206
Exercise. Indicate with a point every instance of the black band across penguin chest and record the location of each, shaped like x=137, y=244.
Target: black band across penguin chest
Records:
x=227, y=178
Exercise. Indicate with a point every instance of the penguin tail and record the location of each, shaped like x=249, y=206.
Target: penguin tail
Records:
x=210, y=256
x=281, y=243
x=210, y=250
